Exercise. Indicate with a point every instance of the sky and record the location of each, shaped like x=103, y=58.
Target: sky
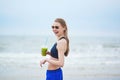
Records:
x=83, y=17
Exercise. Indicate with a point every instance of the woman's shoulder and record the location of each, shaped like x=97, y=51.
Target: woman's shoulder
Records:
x=62, y=41
x=61, y=45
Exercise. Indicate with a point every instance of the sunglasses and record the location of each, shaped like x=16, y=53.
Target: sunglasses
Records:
x=56, y=27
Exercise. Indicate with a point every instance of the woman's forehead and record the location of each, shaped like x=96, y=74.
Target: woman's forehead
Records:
x=57, y=23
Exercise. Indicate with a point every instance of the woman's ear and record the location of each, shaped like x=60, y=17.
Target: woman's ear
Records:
x=64, y=30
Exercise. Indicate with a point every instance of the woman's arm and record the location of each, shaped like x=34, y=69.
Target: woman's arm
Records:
x=61, y=47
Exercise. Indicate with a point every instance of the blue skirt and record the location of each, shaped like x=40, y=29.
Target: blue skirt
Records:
x=54, y=74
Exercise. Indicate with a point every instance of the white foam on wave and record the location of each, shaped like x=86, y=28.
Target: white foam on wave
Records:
x=13, y=59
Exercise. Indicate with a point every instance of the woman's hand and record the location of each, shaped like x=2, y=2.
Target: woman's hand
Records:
x=42, y=62
x=48, y=53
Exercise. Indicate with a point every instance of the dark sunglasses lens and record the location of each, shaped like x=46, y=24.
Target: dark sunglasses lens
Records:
x=56, y=27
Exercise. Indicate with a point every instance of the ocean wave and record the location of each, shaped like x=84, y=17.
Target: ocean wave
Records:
x=111, y=46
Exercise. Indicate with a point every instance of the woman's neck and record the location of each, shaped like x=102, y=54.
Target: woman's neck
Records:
x=60, y=37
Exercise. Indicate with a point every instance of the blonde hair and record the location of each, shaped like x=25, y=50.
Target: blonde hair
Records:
x=63, y=23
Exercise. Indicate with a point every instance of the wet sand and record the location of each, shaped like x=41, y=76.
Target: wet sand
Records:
x=27, y=68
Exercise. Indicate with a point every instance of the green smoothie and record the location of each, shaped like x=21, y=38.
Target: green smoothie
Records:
x=43, y=51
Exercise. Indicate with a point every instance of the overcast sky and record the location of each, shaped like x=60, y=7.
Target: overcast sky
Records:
x=83, y=17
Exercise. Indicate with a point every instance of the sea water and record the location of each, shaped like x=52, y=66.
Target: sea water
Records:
x=96, y=57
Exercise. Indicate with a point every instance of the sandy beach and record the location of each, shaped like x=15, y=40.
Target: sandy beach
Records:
x=26, y=67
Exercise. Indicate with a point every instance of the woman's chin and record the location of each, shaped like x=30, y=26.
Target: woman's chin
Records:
x=57, y=34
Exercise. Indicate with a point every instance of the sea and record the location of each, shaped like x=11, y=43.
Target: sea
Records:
x=90, y=58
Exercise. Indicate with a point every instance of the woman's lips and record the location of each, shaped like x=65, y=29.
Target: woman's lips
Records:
x=56, y=32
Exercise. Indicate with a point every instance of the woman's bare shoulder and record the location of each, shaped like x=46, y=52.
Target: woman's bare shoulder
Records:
x=62, y=42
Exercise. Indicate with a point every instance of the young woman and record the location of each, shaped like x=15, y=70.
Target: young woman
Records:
x=58, y=51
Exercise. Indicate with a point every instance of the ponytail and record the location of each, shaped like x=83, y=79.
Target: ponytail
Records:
x=63, y=23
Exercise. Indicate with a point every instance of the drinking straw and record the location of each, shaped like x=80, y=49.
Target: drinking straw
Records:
x=46, y=41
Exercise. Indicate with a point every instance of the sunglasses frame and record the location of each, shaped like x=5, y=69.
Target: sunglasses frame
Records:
x=56, y=27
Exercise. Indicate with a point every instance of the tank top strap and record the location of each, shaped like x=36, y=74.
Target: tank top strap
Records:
x=62, y=38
